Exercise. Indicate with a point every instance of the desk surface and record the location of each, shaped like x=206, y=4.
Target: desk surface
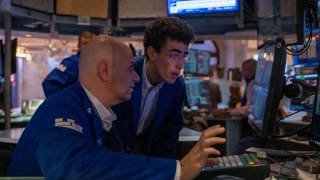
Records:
x=12, y=135
x=187, y=134
x=24, y=118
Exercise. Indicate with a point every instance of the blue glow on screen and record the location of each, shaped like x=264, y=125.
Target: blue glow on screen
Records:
x=176, y=7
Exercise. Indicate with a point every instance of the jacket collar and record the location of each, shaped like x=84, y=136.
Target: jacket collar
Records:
x=106, y=114
x=165, y=97
x=93, y=117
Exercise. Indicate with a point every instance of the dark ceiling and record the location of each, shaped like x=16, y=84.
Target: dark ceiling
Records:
x=24, y=19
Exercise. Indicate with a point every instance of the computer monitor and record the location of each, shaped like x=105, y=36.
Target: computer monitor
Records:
x=315, y=124
x=197, y=92
x=198, y=63
x=268, y=87
x=315, y=130
x=202, y=7
x=1, y=59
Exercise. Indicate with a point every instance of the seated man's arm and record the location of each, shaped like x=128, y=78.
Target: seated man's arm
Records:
x=65, y=153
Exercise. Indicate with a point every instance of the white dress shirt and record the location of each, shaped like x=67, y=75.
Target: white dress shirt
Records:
x=149, y=100
x=106, y=114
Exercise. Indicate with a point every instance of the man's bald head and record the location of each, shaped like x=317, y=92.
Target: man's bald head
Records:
x=101, y=48
x=106, y=69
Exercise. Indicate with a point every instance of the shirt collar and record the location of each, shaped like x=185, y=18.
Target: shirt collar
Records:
x=106, y=114
x=145, y=81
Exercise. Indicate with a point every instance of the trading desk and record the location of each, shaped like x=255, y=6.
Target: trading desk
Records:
x=285, y=125
x=16, y=121
x=187, y=134
x=12, y=136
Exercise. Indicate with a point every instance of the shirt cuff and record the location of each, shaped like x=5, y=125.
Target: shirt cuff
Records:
x=178, y=171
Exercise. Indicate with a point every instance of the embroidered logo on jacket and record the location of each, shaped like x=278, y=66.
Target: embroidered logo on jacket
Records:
x=61, y=67
x=68, y=124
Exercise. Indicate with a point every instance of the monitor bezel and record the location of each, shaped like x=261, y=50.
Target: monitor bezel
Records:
x=275, y=90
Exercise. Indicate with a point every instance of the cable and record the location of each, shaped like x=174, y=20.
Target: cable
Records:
x=292, y=114
x=279, y=163
x=300, y=155
x=306, y=44
x=282, y=166
x=309, y=157
x=284, y=163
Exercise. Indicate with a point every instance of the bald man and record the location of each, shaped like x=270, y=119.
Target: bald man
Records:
x=65, y=139
x=248, y=72
x=67, y=72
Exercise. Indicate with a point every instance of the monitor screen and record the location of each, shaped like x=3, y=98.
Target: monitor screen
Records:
x=193, y=7
x=268, y=87
x=197, y=92
x=198, y=63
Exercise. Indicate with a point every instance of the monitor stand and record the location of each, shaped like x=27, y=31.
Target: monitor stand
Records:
x=283, y=147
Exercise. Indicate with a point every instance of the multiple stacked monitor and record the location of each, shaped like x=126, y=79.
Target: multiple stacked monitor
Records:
x=197, y=90
x=268, y=91
x=269, y=79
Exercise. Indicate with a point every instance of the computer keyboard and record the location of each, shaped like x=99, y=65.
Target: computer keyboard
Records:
x=246, y=166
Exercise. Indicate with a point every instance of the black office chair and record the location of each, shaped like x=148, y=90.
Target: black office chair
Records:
x=5, y=158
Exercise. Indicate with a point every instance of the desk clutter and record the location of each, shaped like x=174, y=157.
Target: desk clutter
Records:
x=195, y=120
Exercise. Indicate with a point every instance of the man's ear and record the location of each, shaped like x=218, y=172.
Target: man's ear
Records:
x=103, y=71
x=152, y=54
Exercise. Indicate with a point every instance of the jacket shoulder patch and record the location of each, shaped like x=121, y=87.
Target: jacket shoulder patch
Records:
x=61, y=67
x=59, y=122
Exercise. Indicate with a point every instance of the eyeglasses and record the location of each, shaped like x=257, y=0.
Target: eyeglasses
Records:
x=176, y=57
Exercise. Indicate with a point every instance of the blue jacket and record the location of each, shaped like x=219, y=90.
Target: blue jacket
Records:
x=167, y=122
x=47, y=149
x=62, y=76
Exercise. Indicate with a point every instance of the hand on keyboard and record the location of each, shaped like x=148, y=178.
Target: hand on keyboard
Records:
x=247, y=166
x=198, y=157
